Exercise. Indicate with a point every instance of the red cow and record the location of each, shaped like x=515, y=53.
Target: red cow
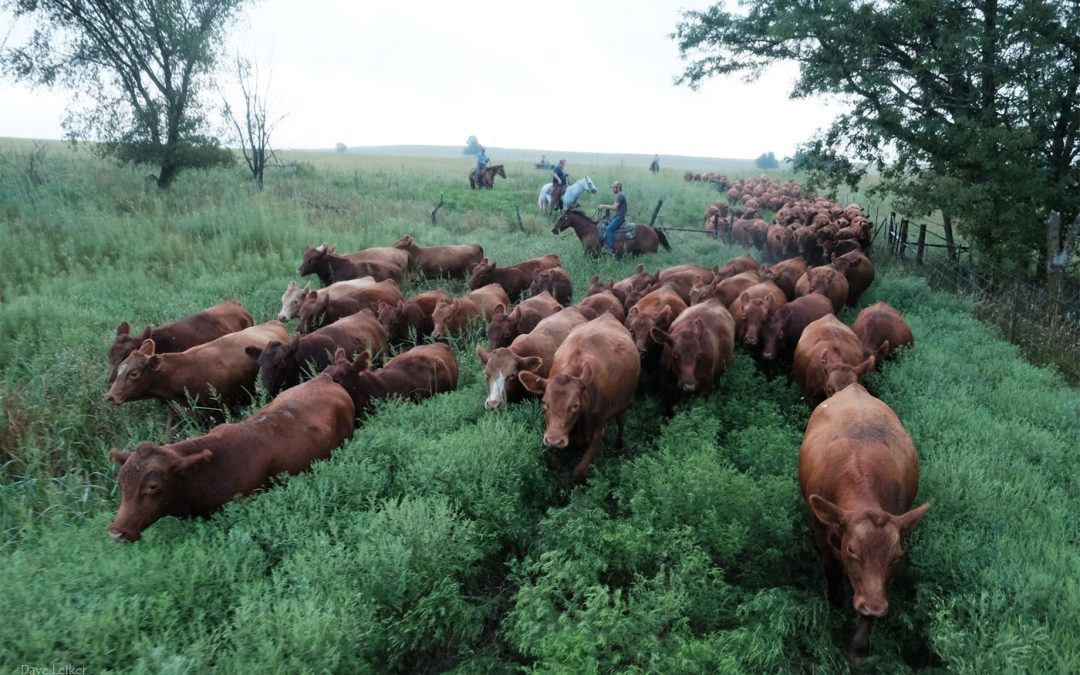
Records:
x=282, y=365
x=637, y=284
x=209, y=324
x=828, y=358
x=778, y=242
x=697, y=349
x=441, y=261
x=453, y=317
x=656, y=310
x=881, y=329
x=318, y=311
x=505, y=327
x=556, y=282
x=382, y=263
x=743, y=263
x=514, y=279
x=198, y=476
x=826, y=280
x=415, y=315
x=684, y=277
x=786, y=325
x=531, y=351
x=859, y=272
x=593, y=376
x=598, y=304
x=859, y=472
x=752, y=308
x=417, y=374
x=221, y=365
x=293, y=297
x=727, y=290
x=786, y=274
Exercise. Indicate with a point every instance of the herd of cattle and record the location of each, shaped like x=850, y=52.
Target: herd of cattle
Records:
x=674, y=331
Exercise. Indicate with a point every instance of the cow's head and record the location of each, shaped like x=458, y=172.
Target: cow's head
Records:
x=279, y=364
x=123, y=345
x=771, y=334
x=565, y=401
x=135, y=374
x=868, y=544
x=755, y=311
x=502, y=368
x=406, y=243
x=840, y=374
x=684, y=356
x=640, y=325
x=502, y=329
x=291, y=300
x=353, y=376
x=391, y=317
x=597, y=286
x=314, y=259
x=151, y=483
x=312, y=310
x=482, y=275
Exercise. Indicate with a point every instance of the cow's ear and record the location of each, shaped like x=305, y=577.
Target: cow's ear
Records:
x=123, y=329
x=482, y=354
x=340, y=356
x=866, y=366
x=306, y=288
x=769, y=301
x=362, y=362
x=665, y=317
x=310, y=295
x=533, y=383
x=186, y=463
x=586, y=371
x=253, y=351
x=744, y=298
x=147, y=332
x=499, y=309
x=882, y=350
x=119, y=456
x=827, y=512
x=155, y=362
x=594, y=280
x=910, y=520
x=660, y=336
x=147, y=347
x=530, y=364
x=291, y=286
x=640, y=269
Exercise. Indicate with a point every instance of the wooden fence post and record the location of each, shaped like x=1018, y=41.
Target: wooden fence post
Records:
x=521, y=228
x=439, y=206
x=656, y=212
x=901, y=241
x=921, y=245
x=950, y=244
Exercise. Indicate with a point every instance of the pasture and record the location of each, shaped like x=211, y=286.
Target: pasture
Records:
x=444, y=537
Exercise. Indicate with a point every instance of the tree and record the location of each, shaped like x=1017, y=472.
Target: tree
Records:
x=137, y=70
x=256, y=123
x=341, y=147
x=980, y=96
x=472, y=146
x=766, y=161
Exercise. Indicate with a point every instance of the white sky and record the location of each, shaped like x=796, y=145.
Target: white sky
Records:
x=596, y=77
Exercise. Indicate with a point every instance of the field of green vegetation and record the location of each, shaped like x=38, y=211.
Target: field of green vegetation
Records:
x=443, y=537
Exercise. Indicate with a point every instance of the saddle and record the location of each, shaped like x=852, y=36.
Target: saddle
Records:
x=625, y=231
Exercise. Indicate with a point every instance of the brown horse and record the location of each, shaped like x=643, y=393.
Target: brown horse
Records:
x=645, y=240
x=488, y=179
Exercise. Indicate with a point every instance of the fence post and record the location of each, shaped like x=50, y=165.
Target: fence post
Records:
x=950, y=244
x=1015, y=310
x=921, y=245
x=901, y=242
x=436, y=210
x=656, y=212
x=521, y=228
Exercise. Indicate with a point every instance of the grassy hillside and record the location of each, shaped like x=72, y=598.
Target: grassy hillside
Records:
x=445, y=537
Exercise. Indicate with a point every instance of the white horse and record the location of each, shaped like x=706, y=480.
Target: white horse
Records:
x=570, y=197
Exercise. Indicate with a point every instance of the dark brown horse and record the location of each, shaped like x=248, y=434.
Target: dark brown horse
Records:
x=488, y=179
x=645, y=240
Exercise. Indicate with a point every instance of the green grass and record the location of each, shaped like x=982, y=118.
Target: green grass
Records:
x=444, y=537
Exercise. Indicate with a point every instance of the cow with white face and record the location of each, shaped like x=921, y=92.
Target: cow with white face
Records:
x=293, y=297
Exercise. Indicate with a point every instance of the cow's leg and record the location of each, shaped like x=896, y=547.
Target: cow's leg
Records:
x=860, y=644
x=834, y=580
x=620, y=440
x=581, y=471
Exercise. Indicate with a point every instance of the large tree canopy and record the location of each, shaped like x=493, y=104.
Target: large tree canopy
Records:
x=137, y=68
x=967, y=107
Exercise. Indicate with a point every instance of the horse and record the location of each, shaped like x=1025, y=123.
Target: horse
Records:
x=488, y=179
x=645, y=239
x=547, y=203
x=654, y=166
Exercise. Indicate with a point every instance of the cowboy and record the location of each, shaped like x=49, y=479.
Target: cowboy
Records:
x=618, y=218
x=481, y=164
x=558, y=174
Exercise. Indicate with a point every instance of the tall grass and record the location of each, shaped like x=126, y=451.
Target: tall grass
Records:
x=445, y=537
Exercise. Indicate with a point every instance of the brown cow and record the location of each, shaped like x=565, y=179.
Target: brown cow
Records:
x=514, y=279
x=786, y=274
x=452, y=317
x=318, y=311
x=735, y=266
x=859, y=472
x=828, y=357
x=419, y=373
x=209, y=324
x=281, y=365
x=221, y=365
x=697, y=349
x=415, y=315
x=656, y=310
x=752, y=308
x=455, y=261
x=826, y=280
x=637, y=284
x=727, y=290
x=556, y=282
x=602, y=303
x=293, y=297
x=593, y=376
x=778, y=242
x=504, y=327
x=382, y=263
x=684, y=277
x=198, y=476
x=859, y=272
x=881, y=329
x=786, y=325
x=531, y=351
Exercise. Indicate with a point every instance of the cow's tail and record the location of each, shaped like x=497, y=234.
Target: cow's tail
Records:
x=663, y=239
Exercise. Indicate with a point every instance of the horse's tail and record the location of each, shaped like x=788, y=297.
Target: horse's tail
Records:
x=663, y=239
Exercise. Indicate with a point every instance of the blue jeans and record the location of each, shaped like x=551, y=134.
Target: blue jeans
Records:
x=609, y=231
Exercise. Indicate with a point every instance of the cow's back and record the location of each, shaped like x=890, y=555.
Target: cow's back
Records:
x=303, y=424
x=606, y=345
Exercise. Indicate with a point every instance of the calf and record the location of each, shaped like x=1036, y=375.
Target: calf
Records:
x=656, y=310
x=417, y=374
x=221, y=365
x=293, y=297
x=743, y=263
x=859, y=472
x=786, y=274
x=752, y=308
x=504, y=327
x=201, y=327
x=593, y=376
x=531, y=351
x=381, y=263
x=453, y=317
x=828, y=357
x=826, y=280
x=637, y=284
x=881, y=329
x=415, y=315
x=697, y=349
x=514, y=279
x=786, y=325
x=281, y=365
x=598, y=304
x=198, y=476
x=556, y=282
x=858, y=271
x=318, y=311
x=441, y=261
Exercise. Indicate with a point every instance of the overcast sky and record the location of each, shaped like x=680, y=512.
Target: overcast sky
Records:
x=547, y=75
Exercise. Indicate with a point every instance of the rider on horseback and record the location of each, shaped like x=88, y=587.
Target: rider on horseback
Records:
x=481, y=164
x=618, y=218
x=558, y=183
